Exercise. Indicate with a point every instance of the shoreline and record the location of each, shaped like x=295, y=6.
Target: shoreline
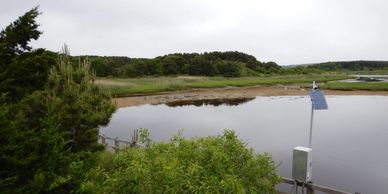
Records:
x=229, y=93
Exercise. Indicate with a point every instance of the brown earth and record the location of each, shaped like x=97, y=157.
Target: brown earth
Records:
x=230, y=93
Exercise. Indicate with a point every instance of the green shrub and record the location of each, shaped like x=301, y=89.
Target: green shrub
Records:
x=48, y=138
x=219, y=164
x=229, y=69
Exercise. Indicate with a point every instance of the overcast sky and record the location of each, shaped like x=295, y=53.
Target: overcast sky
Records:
x=284, y=31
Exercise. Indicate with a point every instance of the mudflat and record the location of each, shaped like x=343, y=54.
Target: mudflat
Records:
x=230, y=93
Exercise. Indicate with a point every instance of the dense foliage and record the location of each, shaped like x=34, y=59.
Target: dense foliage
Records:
x=228, y=64
x=220, y=164
x=351, y=65
x=340, y=66
x=22, y=70
x=83, y=106
x=48, y=131
x=49, y=115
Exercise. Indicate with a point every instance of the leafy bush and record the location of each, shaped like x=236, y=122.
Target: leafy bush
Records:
x=220, y=164
x=47, y=139
x=230, y=69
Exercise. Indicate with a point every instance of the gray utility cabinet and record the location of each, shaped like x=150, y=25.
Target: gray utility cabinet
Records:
x=301, y=164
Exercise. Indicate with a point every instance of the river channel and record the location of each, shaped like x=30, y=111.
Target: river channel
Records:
x=350, y=139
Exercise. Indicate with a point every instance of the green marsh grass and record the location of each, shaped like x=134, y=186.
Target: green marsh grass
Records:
x=150, y=85
x=372, y=86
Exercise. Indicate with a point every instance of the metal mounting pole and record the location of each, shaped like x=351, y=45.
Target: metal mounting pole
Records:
x=314, y=87
x=311, y=125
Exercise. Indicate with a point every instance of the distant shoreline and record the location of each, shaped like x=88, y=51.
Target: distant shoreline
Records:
x=229, y=93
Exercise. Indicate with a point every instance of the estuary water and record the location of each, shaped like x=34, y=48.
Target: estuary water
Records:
x=350, y=139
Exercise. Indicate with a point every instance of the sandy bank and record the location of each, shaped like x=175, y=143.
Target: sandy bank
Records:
x=230, y=92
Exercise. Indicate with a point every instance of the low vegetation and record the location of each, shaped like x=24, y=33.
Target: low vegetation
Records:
x=372, y=86
x=123, y=87
x=220, y=164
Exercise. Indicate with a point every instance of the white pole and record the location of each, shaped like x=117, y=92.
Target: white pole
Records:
x=312, y=116
x=311, y=125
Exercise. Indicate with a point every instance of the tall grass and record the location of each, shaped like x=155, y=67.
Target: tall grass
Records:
x=372, y=86
x=132, y=86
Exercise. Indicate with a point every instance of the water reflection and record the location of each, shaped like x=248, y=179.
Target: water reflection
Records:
x=213, y=102
x=348, y=139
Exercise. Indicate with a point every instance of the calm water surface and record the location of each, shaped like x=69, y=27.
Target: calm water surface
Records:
x=350, y=140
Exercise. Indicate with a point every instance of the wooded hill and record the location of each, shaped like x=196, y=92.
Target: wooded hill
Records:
x=349, y=66
x=228, y=64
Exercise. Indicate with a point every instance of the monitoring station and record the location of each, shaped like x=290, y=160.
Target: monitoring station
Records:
x=301, y=162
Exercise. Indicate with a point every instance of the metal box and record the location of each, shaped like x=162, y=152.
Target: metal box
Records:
x=301, y=164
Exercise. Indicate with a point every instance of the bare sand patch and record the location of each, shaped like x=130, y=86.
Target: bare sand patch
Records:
x=229, y=93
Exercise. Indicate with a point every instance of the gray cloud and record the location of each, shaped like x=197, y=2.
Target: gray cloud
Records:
x=288, y=32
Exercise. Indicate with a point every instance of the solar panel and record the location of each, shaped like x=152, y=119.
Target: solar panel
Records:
x=318, y=99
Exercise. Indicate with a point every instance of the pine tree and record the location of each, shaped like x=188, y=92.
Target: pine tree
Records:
x=77, y=103
x=22, y=70
x=49, y=117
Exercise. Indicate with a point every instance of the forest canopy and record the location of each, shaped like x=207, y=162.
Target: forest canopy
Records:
x=228, y=64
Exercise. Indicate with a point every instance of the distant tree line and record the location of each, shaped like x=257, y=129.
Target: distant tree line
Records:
x=339, y=66
x=228, y=64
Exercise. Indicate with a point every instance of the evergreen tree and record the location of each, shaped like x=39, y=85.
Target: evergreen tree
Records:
x=14, y=38
x=81, y=105
x=45, y=134
x=22, y=70
x=49, y=119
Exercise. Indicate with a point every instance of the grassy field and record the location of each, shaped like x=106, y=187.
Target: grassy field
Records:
x=372, y=86
x=134, y=86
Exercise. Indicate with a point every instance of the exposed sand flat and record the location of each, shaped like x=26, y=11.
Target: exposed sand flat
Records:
x=230, y=92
